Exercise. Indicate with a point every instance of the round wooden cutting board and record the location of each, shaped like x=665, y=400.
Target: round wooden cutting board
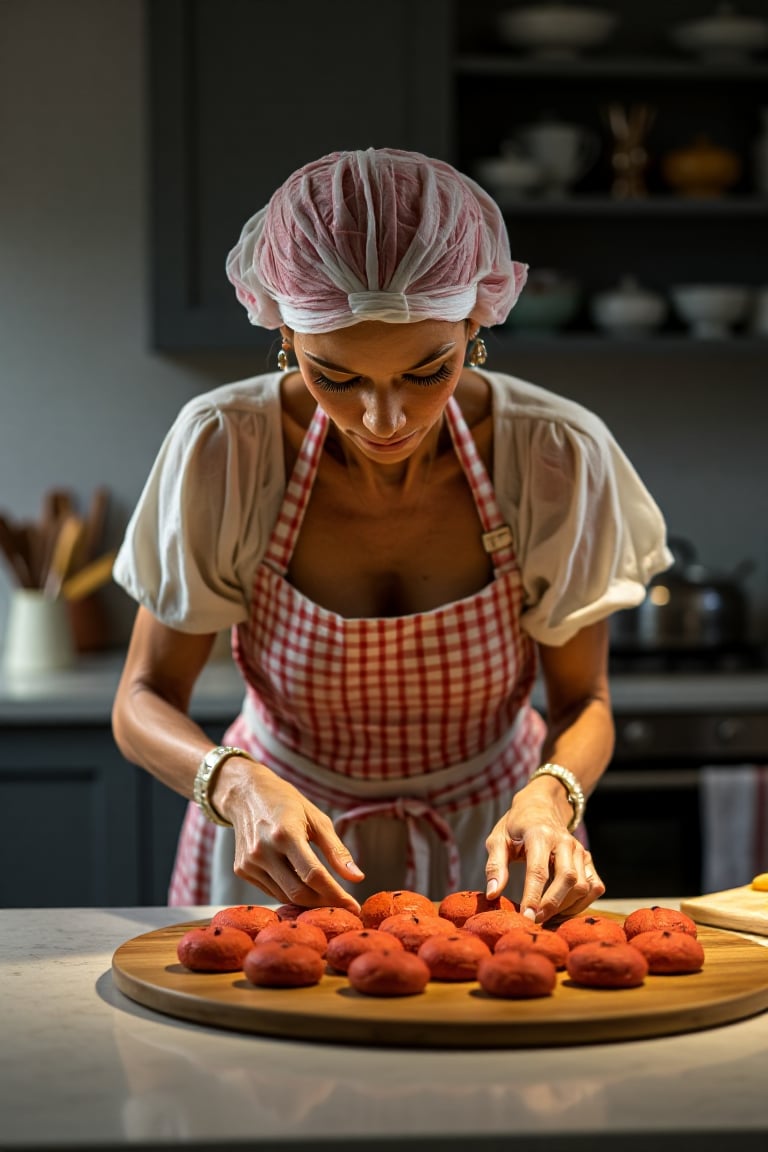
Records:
x=733, y=984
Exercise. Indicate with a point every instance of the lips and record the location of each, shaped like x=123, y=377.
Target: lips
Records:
x=386, y=445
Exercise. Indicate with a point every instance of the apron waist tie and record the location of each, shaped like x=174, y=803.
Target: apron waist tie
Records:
x=414, y=814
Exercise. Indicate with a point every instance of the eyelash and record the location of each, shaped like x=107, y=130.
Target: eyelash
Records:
x=425, y=381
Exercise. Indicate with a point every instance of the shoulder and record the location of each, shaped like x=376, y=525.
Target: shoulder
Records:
x=516, y=400
x=237, y=421
x=257, y=396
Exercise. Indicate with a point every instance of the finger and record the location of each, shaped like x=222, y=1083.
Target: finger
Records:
x=336, y=852
x=316, y=882
x=574, y=885
x=261, y=880
x=500, y=851
x=284, y=884
x=595, y=889
x=537, y=877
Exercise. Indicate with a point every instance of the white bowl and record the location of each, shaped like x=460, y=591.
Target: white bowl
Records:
x=710, y=310
x=556, y=29
x=724, y=36
x=628, y=309
x=508, y=175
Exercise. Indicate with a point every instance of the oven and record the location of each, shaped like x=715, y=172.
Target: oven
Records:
x=644, y=820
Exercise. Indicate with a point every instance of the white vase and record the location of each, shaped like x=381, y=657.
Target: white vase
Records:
x=38, y=637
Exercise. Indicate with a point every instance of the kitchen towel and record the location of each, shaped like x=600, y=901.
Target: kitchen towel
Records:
x=734, y=825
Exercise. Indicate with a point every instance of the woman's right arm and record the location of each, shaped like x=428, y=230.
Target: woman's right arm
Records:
x=274, y=825
x=150, y=719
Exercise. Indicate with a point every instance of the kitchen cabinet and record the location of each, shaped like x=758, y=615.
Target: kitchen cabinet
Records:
x=70, y=819
x=663, y=238
x=241, y=93
x=81, y=826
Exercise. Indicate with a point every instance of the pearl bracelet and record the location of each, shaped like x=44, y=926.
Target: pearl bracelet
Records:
x=209, y=766
x=573, y=788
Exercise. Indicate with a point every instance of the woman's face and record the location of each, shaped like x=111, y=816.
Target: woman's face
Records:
x=384, y=385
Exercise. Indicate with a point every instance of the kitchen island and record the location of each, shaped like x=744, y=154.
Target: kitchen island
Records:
x=82, y=1066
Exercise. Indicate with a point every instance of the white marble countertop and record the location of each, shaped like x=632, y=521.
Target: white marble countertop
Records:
x=82, y=1066
x=84, y=693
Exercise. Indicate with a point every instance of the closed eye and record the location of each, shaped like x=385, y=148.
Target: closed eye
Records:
x=328, y=385
x=435, y=378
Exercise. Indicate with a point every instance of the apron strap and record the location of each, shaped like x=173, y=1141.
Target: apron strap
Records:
x=414, y=814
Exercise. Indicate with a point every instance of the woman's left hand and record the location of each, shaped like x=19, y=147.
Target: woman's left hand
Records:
x=560, y=876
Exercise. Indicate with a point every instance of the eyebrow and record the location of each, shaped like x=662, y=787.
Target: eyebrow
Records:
x=436, y=355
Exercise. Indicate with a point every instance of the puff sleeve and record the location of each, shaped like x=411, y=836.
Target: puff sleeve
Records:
x=588, y=534
x=202, y=522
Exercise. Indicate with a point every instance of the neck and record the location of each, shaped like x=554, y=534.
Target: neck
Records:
x=403, y=478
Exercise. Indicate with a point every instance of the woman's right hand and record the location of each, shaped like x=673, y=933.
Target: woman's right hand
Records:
x=275, y=828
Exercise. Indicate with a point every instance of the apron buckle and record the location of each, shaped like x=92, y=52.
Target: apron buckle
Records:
x=497, y=539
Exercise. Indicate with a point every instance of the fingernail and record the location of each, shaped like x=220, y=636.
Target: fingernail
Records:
x=353, y=870
x=530, y=914
x=492, y=888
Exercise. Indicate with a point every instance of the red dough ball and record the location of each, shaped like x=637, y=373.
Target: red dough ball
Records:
x=585, y=929
x=539, y=940
x=453, y=957
x=383, y=904
x=658, y=918
x=490, y=926
x=283, y=964
x=391, y=972
x=607, y=964
x=517, y=975
x=412, y=930
x=330, y=920
x=250, y=918
x=290, y=911
x=214, y=948
x=343, y=949
x=307, y=934
x=669, y=953
x=459, y=906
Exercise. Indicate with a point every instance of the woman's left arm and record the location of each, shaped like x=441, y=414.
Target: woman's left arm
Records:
x=560, y=875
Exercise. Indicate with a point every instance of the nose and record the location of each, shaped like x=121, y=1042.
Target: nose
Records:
x=383, y=416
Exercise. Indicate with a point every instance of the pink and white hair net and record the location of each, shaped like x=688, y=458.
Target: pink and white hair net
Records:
x=375, y=235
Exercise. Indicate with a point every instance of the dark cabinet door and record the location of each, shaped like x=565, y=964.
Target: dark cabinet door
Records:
x=70, y=815
x=241, y=93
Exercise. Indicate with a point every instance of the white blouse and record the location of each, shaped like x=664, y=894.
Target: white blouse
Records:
x=587, y=533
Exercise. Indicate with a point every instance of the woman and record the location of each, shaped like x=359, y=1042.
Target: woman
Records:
x=396, y=538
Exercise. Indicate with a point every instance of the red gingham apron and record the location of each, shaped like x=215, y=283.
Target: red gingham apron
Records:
x=424, y=718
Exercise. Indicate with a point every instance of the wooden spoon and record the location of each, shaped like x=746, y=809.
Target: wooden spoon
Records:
x=89, y=578
x=11, y=548
x=95, y=522
x=69, y=537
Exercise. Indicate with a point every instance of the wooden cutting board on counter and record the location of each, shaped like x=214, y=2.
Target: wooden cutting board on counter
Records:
x=732, y=985
x=743, y=909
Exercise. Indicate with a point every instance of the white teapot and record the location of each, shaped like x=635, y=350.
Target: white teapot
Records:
x=564, y=151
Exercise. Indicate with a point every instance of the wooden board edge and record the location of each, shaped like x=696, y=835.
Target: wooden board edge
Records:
x=376, y=1031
